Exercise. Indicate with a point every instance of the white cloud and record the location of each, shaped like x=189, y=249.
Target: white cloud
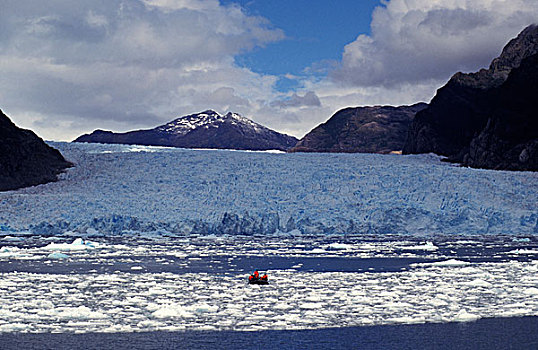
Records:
x=414, y=48
x=420, y=40
x=68, y=67
x=125, y=64
x=309, y=99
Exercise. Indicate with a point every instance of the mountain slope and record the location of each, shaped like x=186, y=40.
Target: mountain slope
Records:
x=378, y=129
x=468, y=105
x=510, y=137
x=207, y=129
x=25, y=160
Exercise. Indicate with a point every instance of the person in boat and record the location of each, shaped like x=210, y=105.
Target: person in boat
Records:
x=256, y=279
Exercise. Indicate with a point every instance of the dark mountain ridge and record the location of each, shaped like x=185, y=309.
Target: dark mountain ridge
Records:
x=375, y=129
x=207, y=129
x=485, y=119
x=25, y=159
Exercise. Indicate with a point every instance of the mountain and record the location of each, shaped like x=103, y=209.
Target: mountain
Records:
x=25, y=160
x=207, y=129
x=378, y=129
x=486, y=119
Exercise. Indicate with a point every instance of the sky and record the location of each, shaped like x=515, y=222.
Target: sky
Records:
x=70, y=67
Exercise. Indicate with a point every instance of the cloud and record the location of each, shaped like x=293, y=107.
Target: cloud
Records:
x=125, y=64
x=308, y=100
x=68, y=67
x=415, y=46
x=423, y=40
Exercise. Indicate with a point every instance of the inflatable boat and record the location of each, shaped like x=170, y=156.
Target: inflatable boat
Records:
x=258, y=281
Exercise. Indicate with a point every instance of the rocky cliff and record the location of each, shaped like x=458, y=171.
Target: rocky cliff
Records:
x=25, y=160
x=207, y=129
x=483, y=119
x=378, y=129
x=510, y=138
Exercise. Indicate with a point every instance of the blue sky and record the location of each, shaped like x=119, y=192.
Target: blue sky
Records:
x=315, y=31
x=67, y=68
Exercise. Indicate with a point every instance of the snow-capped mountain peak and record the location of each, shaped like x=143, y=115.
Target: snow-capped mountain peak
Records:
x=207, y=129
x=209, y=118
x=185, y=124
x=239, y=119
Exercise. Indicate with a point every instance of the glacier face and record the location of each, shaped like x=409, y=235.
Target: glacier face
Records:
x=115, y=189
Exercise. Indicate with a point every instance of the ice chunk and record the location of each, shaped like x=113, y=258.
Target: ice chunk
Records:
x=445, y=263
x=311, y=306
x=478, y=283
x=531, y=291
x=13, y=239
x=15, y=327
x=10, y=252
x=464, y=316
x=316, y=251
x=201, y=308
x=173, y=311
x=523, y=240
x=523, y=251
x=339, y=246
x=428, y=246
x=78, y=313
x=78, y=244
x=57, y=255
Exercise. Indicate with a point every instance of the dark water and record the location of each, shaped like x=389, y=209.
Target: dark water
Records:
x=493, y=333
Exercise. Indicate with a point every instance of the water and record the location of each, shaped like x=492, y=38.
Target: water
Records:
x=498, y=333
x=198, y=283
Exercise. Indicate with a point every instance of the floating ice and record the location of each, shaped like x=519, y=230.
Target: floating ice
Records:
x=428, y=246
x=445, y=263
x=158, y=301
x=531, y=291
x=13, y=239
x=464, y=316
x=478, y=283
x=173, y=311
x=77, y=244
x=13, y=252
x=339, y=246
x=522, y=240
x=523, y=251
x=311, y=306
x=15, y=327
x=78, y=313
x=57, y=255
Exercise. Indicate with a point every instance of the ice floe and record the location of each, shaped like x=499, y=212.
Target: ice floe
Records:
x=445, y=263
x=126, y=301
x=58, y=256
x=523, y=251
x=428, y=246
x=77, y=244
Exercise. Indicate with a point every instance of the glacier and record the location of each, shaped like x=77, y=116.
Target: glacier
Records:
x=122, y=189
